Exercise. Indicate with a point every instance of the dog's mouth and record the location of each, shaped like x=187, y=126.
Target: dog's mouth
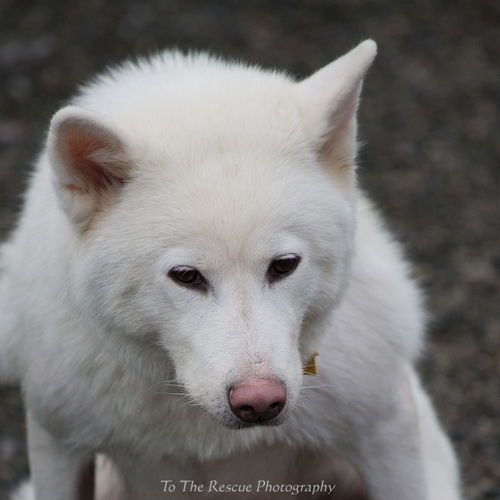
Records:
x=224, y=416
x=230, y=421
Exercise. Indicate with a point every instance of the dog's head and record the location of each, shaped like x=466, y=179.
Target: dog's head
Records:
x=212, y=212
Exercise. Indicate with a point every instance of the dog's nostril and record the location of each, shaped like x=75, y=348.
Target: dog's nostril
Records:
x=258, y=400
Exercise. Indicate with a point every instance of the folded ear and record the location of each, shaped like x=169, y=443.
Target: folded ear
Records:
x=329, y=101
x=90, y=162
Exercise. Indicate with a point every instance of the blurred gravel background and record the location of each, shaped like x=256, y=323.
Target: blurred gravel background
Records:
x=429, y=120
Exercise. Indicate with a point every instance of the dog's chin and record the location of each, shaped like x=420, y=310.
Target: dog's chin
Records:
x=230, y=421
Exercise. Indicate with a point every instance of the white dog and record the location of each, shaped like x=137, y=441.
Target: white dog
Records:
x=192, y=236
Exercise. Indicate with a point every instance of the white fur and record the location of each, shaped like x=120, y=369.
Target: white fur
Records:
x=189, y=160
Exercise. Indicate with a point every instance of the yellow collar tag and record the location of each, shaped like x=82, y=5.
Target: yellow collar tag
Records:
x=311, y=368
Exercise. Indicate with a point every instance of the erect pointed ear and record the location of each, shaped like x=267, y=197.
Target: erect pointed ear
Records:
x=90, y=162
x=329, y=101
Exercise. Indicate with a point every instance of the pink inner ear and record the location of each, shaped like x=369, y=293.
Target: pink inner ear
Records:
x=94, y=160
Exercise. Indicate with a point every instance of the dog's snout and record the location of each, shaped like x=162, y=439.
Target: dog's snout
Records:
x=257, y=400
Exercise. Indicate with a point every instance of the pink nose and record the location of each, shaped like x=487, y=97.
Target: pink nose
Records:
x=258, y=400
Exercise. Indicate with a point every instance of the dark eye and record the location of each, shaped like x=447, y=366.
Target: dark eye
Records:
x=282, y=266
x=188, y=276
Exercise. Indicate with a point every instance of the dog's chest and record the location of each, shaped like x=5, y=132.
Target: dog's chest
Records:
x=264, y=472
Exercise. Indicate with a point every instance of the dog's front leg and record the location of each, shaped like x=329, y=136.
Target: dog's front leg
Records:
x=440, y=464
x=390, y=462
x=406, y=456
x=58, y=473
x=389, y=455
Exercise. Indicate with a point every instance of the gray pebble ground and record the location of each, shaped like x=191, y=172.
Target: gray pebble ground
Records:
x=429, y=121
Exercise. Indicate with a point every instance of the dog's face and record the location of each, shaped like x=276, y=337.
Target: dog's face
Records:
x=224, y=243
x=246, y=258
